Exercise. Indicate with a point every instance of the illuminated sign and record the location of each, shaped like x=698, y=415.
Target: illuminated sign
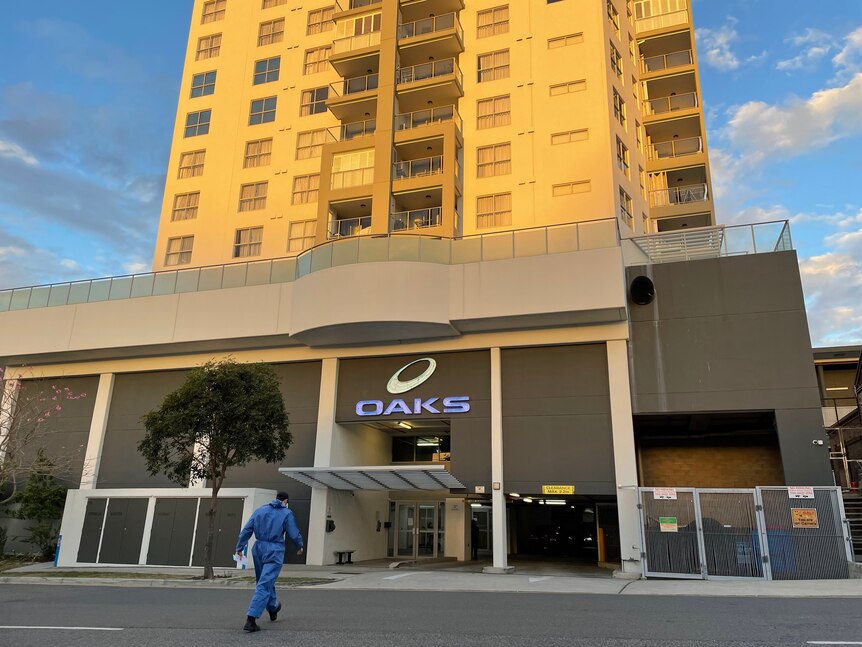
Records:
x=415, y=406
x=558, y=489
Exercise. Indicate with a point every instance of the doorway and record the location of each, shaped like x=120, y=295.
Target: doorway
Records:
x=419, y=529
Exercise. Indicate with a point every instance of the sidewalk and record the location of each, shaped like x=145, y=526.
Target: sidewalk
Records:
x=377, y=576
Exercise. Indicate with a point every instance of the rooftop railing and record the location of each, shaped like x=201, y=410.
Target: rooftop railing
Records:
x=344, y=250
x=350, y=43
x=416, y=219
x=348, y=227
x=428, y=71
x=429, y=26
x=410, y=120
x=346, y=132
x=679, y=195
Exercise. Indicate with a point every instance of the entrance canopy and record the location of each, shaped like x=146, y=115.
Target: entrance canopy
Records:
x=382, y=477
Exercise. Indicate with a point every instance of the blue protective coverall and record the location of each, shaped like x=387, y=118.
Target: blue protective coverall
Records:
x=269, y=524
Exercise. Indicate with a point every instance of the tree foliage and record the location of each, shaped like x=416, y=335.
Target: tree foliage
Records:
x=41, y=501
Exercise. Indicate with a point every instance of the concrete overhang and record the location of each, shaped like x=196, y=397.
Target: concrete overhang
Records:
x=380, y=477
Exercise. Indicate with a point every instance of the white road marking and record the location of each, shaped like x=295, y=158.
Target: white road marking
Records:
x=533, y=580
x=62, y=628
x=399, y=576
x=831, y=642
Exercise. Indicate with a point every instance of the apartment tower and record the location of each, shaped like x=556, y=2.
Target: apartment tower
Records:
x=303, y=122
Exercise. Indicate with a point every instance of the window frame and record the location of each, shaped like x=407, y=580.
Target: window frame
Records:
x=497, y=165
x=497, y=70
x=498, y=118
x=257, y=200
x=209, y=48
x=200, y=126
x=267, y=114
x=305, y=238
x=495, y=24
x=261, y=157
x=185, y=211
x=204, y=84
x=496, y=212
x=192, y=167
x=300, y=195
x=274, y=35
x=177, y=257
x=239, y=245
x=219, y=8
x=317, y=105
x=320, y=26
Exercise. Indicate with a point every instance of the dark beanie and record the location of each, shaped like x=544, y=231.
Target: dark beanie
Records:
x=282, y=496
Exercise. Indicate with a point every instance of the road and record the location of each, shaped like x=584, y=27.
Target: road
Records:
x=322, y=618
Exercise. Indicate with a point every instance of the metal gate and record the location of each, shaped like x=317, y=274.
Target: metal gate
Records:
x=762, y=533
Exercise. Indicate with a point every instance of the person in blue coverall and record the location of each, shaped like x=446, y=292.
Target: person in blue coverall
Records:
x=269, y=524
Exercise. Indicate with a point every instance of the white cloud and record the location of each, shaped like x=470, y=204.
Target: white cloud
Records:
x=136, y=267
x=8, y=149
x=849, y=60
x=815, y=46
x=799, y=125
x=716, y=46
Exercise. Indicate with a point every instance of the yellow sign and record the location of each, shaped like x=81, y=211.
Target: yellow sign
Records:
x=804, y=518
x=558, y=489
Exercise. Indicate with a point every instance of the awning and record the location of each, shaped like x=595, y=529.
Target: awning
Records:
x=381, y=477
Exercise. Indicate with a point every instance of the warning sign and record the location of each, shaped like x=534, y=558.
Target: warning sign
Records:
x=668, y=524
x=805, y=518
x=558, y=489
x=795, y=492
x=664, y=494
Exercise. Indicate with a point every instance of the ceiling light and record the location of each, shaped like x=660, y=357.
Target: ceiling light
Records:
x=475, y=505
x=555, y=502
x=405, y=425
x=528, y=500
x=514, y=494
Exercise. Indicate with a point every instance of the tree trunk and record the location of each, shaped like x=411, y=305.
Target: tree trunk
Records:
x=208, y=549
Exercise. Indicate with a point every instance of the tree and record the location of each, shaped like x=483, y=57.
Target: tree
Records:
x=41, y=501
x=225, y=415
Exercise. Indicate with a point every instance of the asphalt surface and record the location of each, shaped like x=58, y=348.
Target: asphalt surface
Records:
x=318, y=618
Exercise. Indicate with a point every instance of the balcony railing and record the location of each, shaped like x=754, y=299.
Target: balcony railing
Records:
x=416, y=219
x=662, y=20
x=671, y=103
x=429, y=26
x=350, y=43
x=679, y=195
x=676, y=148
x=352, y=177
x=348, y=227
x=346, y=132
x=347, y=5
x=554, y=239
x=418, y=168
x=420, y=118
x=355, y=85
x=431, y=70
x=667, y=61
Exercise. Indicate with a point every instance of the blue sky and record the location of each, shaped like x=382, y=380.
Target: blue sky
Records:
x=88, y=97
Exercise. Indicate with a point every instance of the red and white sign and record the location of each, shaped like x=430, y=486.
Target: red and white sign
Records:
x=796, y=492
x=664, y=494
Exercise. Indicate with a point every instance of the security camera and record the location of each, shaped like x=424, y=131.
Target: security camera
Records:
x=816, y=442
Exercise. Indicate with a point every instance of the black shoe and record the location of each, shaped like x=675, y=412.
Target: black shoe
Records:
x=273, y=615
x=251, y=626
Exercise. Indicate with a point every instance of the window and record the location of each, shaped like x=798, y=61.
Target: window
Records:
x=626, y=209
x=635, y=87
x=257, y=153
x=570, y=136
x=614, y=17
x=565, y=41
x=616, y=62
x=494, y=210
x=633, y=50
x=492, y=21
x=179, y=250
x=313, y=101
x=208, y=47
x=198, y=123
x=642, y=177
x=493, y=112
x=320, y=20
x=203, y=84
x=494, y=160
x=305, y=188
x=310, y=144
x=252, y=196
x=271, y=31
x=301, y=235
x=570, y=188
x=185, y=206
x=639, y=135
x=262, y=111
x=213, y=10
x=493, y=66
x=619, y=109
x=315, y=59
x=191, y=164
x=247, y=242
x=267, y=4
x=266, y=71
x=568, y=87
x=355, y=168
x=623, y=157
x=645, y=222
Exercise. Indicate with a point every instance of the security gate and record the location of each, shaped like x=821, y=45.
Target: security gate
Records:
x=763, y=533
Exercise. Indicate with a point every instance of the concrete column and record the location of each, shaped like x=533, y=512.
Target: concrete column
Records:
x=498, y=498
x=315, y=546
x=625, y=461
x=148, y=531
x=8, y=404
x=98, y=427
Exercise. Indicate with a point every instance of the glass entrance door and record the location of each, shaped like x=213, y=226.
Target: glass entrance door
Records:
x=406, y=530
x=419, y=530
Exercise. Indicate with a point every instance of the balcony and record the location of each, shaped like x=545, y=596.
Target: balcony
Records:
x=675, y=148
x=663, y=62
x=440, y=82
x=679, y=195
x=436, y=37
x=416, y=9
x=347, y=5
x=416, y=219
x=347, y=132
x=350, y=178
x=672, y=103
x=353, y=55
x=354, y=97
x=348, y=227
x=419, y=118
x=417, y=168
x=644, y=22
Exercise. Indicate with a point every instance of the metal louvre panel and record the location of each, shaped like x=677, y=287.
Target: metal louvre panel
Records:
x=806, y=553
x=731, y=537
x=671, y=553
x=409, y=477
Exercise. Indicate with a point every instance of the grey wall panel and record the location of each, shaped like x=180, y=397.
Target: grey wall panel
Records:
x=229, y=522
x=556, y=419
x=91, y=533
x=135, y=394
x=124, y=531
x=64, y=433
x=471, y=452
x=804, y=462
x=172, y=531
